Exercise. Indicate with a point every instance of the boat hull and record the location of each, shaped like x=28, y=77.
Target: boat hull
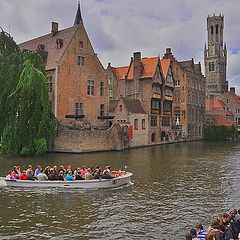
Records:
x=81, y=184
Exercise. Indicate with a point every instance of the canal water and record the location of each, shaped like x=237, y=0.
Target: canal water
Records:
x=173, y=188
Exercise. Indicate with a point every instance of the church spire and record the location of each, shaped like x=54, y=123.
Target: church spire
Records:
x=78, y=17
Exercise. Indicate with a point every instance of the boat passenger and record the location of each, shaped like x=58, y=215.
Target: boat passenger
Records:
x=23, y=175
x=37, y=170
x=96, y=174
x=52, y=175
x=69, y=176
x=83, y=171
x=78, y=175
x=42, y=176
x=88, y=175
x=46, y=170
x=194, y=234
x=61, y=168
x=29, y=169
x=18, y=169
x=107, y=173
x=200, y=232
x=30, y=175
x=61, y=175
x=10, y=175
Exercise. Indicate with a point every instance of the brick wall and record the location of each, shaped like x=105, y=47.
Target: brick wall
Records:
x=89, y=141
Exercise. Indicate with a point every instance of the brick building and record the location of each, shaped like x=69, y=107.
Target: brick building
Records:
x=218, y=113
x=150, y=81
x=189, y=98
x=77, y=81
x=232, y=103
x=133, y=119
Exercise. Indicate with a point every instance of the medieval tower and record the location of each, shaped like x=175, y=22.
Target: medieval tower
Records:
x=215, y=56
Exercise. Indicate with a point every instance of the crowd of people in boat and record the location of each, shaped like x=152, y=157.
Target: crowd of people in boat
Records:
x=61, y=173
x=225, y=227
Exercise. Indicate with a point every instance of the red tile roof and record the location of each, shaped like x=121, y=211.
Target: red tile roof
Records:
x=149, y=68
x=165, y=63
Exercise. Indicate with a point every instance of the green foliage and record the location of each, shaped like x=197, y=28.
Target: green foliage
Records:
x=220, y=133
x=41, y=146
x=10, y=69
x=27, y=125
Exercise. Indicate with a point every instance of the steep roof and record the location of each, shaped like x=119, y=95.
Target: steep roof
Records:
x=149, y=67
x=165, y=63
x=133, y=105
x=49, y=42
x=186, y=64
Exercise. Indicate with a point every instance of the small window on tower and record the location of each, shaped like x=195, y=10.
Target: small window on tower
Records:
x=212, y=30
x=216, y=29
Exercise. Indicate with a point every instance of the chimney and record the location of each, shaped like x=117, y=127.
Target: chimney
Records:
x=54, y=28
x=168, y=53
x=137, y=66
x=232, y=90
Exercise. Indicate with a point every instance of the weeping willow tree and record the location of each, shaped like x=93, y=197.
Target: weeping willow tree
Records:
x=10, y=70
x=27, y=125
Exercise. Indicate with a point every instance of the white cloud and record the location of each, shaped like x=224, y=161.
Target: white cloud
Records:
x=118, y=28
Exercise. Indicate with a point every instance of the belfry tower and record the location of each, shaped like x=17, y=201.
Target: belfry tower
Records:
x=215, y=56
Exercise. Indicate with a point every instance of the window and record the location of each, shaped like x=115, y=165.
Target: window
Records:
x=154, y=121
x=143, y=124
x=211, y=66
x=90, y=88
x=59, y=43
x=49, y=84
x=155, y=104
x=228, y=101
x=110, y=81
x=101, y=89
x=167, y=106
x=177, y=83
x=78, y=108
x=111, y=93
x=157, y=89
x=238, y=121
x=135, y=124
x=120, y=108
x=101, y=109
x=165, y=121
x=212, y=30
x=81, y=61
x=216, y=29
x=168, y=91
x=177, y=118
x=81, y=44
x=237, y=110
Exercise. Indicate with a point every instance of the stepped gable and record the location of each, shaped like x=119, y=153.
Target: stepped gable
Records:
x=49, y=42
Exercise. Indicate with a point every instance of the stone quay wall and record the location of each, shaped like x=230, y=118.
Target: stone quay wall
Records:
x=77, y=141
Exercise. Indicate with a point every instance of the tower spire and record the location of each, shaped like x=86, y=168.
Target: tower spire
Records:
x=78, y=17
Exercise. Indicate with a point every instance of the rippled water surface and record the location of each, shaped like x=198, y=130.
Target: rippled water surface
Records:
x=174, y=187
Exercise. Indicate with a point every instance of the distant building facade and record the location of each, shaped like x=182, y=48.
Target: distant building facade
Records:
x=77, y=81
x=215, y=56
x=189, y=98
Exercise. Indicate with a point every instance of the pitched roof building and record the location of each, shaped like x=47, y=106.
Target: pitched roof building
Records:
x=77, y=81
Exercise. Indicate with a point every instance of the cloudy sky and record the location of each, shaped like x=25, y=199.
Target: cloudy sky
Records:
x=117, y=28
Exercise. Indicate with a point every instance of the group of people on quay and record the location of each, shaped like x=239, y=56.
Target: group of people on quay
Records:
x=61, y=173
x=225, y=227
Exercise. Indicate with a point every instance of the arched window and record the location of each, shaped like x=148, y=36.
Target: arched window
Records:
x=212, y=30
x=213, y=67
x=153, y=137
x=210, y=67
x=216, y=29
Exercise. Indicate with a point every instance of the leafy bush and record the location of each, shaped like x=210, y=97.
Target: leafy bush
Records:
x=41, y=146
x=25, y=152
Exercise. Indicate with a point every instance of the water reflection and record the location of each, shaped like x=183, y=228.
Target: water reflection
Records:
x=175, y=186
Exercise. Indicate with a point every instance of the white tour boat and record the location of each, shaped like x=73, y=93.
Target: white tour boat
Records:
x=124, y=179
